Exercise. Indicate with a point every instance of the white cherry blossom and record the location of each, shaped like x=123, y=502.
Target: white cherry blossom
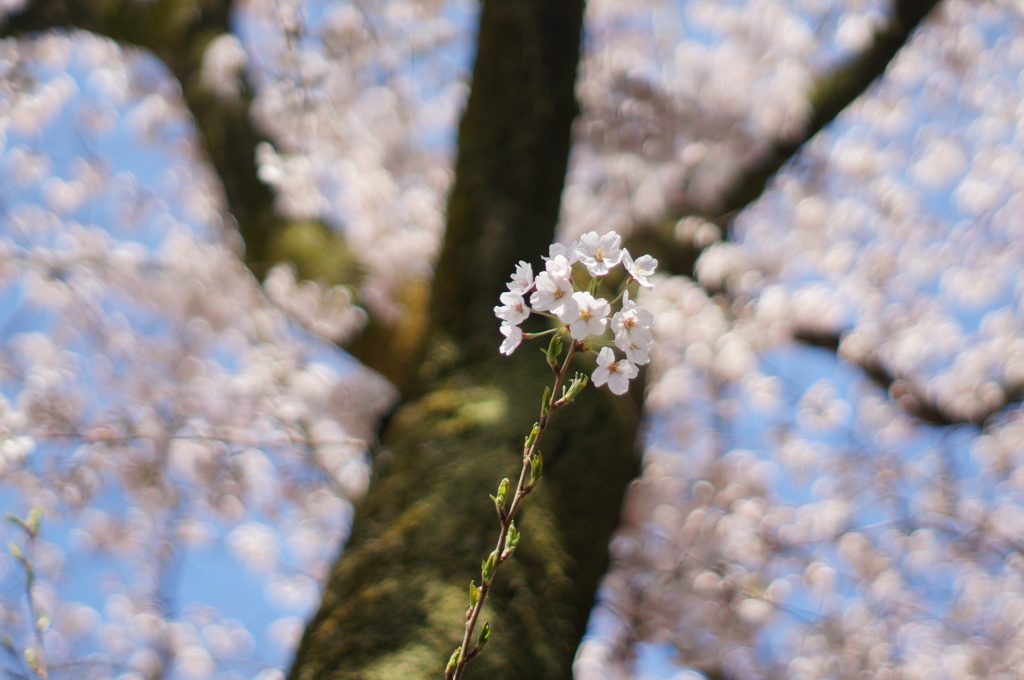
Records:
x=632, y=327
x=513, y=308
x=616, y=374
x=522, y=278
x=513, y=337
x=554, y=290
x=590, y=318
x=642, y=269
x=562, y=250
x=599, y=252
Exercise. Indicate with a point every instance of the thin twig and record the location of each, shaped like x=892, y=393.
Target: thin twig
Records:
x=526, y=484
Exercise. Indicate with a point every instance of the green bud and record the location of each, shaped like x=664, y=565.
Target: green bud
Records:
x=577, y=385
x=33, y=521
x=545, y=403
x=15, y=550
x=474, y=594
x=554, y=350
x=511, y=541
x=485, y=634
x=573, y=389
x=487, y=568
x=453, y=662
x=32, y=659
x=499, y=500
x=536, y=467
x=531, y=439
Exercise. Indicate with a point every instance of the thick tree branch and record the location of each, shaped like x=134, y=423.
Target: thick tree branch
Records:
x=911, y=397
x=177, y=32
x=832, y=94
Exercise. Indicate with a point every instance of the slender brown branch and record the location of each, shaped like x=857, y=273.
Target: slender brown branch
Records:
x=506, y=518
x=35, y=658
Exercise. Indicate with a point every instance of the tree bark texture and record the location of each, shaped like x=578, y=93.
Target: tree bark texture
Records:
x=395, y=602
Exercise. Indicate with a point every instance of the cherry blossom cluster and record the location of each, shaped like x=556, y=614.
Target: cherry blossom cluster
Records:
x=230, y=438
x=585, y=317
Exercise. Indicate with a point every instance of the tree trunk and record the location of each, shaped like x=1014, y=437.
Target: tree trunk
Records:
x=395, y=601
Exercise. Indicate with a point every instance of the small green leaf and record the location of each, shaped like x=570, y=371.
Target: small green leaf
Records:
x=33, y=660
x=453, y=662
x=577, y=385
x=499, y=500
x=573, y=389
x=512, y=537
x=531, y=439
x=474, y=594
x=14, y=519
x=487, y=568
x=536, y=468
x=511, y=541
x=485, y=634
x=15, y=550
x=554, y=350
x=545, y=403
x=33, y=521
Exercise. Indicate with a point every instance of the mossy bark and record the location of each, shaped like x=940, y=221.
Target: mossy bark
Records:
x=395, y=602
x=513, y=151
